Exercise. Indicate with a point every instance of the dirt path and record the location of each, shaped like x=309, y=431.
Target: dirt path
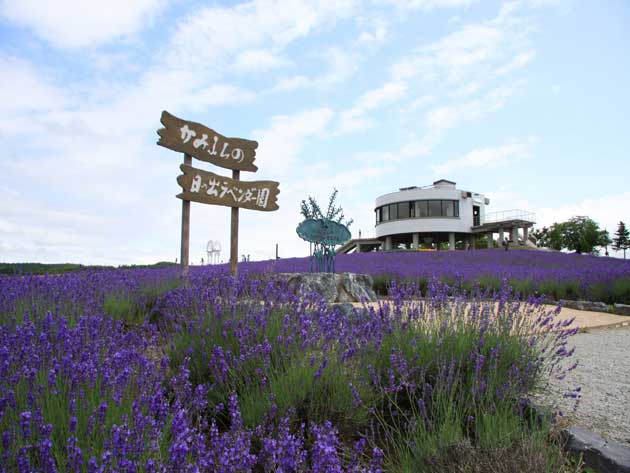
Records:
x=603, y=373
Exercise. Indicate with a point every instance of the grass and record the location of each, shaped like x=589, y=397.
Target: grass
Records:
x=135, y=307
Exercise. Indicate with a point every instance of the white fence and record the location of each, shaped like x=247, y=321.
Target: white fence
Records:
x=507, y=215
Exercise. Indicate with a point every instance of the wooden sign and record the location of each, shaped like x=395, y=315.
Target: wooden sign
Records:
x=209, y=188
x=206, y=144
x=199, y=141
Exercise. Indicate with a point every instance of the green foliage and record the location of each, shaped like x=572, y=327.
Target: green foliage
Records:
x=580, y=234
x=309, y=208
x=38, y=268
x=133, y=308
x=43, y=268
x=618, y=291
x=549, y=237
x=621, y=241
x=55, y=412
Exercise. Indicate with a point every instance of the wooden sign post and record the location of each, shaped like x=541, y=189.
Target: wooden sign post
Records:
x=203, y=143
x=236, y=174
x=185, y=227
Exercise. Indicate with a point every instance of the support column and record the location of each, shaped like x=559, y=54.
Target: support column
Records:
x=514, y=235
x=388, y=243
x=451, y=241
x=471, y=240
x=416, y=241
x=358, y=247
x=500, y=237
x=489, y=236
x=525, y=234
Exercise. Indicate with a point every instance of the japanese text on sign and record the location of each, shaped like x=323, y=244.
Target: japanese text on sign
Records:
x=206, y=144
x=209, y=188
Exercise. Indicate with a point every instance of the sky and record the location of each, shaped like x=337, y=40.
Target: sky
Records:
x=525, y=101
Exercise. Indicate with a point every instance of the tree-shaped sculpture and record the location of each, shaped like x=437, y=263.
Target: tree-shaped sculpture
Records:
x=325, y=231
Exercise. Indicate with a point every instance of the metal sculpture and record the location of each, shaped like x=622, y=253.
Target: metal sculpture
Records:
x=325, y=234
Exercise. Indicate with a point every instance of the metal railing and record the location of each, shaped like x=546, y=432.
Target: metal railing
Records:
x=507, y=215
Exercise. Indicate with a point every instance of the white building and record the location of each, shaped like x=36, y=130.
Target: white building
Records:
x=439, y=214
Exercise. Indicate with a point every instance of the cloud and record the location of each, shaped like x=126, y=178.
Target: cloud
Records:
x=280, y=143
x=339, y=64
x=214, y=34
x=440, y=119
x=519, y=61
x=606, y=210
x=356, y=119
x=27, y=89
x=213, y=95
x=257, y=60
x=454, y=57
x=486, y=158
x=427, y=4
x=473, y=51
x=388, y=93
x=375, y=36
x=80, y=24
x=461, y=69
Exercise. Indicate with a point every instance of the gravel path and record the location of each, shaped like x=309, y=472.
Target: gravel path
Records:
x=604, y=375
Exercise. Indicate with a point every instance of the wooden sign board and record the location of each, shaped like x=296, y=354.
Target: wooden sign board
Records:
x=206, y=144
x=209, y=188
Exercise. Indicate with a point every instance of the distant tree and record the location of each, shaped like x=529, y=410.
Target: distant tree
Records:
x=621, y=241
x=580, y=234
x=583, y=235
x=549, y=237
x=605, y=240
x=309, y=208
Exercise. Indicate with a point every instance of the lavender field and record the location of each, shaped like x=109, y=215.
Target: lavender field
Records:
x=135, y=371
x=557, y=275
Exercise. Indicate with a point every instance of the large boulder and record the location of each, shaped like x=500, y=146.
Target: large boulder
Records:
x=334, y=287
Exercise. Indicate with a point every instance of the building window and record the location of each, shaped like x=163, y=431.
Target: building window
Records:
x=403, y=210
x=435, y=208
x=421, y=209
x=393, y=211
x=448, y=209
x=418, y=209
